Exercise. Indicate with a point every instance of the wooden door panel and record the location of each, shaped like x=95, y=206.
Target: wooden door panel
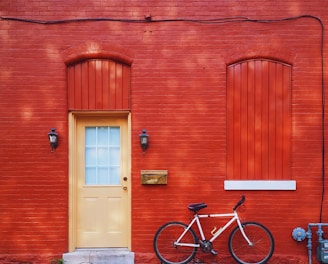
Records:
x=102, y=208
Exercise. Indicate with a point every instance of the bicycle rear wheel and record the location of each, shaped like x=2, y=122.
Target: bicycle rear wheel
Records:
x=165, y=248
x=258, y=253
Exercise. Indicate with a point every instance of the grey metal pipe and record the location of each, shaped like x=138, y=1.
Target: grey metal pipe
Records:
x=309, y=245
x=309, y=236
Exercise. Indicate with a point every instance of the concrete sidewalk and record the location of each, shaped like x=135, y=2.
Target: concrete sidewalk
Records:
x=100, y=256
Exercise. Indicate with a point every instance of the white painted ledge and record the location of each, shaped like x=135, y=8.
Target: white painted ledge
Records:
x=260, y=185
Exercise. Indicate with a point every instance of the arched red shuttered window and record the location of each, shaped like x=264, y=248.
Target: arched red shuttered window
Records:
x=98, y=84
x=259, y=120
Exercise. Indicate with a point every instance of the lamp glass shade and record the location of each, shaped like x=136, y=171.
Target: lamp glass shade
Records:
x=53, y=139
x=144, y=139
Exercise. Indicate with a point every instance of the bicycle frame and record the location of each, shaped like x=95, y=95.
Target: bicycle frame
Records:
x=234, y=217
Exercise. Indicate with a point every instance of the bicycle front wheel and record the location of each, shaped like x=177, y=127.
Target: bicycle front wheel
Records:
x=262, y=246
x=164, y=243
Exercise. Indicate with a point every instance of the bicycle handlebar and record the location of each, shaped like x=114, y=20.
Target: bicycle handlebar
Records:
x=242, y=200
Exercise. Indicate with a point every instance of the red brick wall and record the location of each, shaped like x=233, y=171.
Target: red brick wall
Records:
x=178, y=93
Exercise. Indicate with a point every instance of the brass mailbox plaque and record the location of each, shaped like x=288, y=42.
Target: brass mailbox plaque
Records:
x=153, y=176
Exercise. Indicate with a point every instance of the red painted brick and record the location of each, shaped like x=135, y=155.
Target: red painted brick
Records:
x=178, y=94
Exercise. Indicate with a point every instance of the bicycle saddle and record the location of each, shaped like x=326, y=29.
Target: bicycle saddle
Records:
x=196, y=206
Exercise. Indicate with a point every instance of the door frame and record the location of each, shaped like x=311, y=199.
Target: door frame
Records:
x=73, y=118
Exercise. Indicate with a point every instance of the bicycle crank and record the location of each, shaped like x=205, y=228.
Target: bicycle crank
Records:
x=205, y=245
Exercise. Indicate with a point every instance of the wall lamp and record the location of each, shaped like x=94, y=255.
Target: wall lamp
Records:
x=144, y=140
x=53, y=139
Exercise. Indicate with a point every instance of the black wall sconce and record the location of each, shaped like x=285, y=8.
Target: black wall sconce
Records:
x=53, y=139
x=144, y=140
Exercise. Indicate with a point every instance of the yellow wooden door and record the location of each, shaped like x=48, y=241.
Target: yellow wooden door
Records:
x=102, y=203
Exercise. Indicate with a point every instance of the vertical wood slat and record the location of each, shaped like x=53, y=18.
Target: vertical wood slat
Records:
x=71, y=85
x=105, y=84
x=264, y=101
x=126, y=87
x=259, y=122
x=279, y=120
x=287, y=103
x=99, y=85
x=119, y=85
x=236, y=119
x=243, y=137
x=77, y=86
x=85, y=86
x=230, y=116
x=271, y=122
x=92, y=85
x=112, y=85
x=250, y=117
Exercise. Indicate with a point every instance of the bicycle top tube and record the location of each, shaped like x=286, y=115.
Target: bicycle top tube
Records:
x=234, y=214
x=195, y=207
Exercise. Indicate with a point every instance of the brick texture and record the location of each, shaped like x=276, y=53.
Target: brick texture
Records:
x=178, y=93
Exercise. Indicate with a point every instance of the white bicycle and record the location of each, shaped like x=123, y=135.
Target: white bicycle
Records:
x=249, y=242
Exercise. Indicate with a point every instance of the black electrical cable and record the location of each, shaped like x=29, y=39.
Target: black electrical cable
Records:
x=214, y=21
x=146, y=20
x=323, y=116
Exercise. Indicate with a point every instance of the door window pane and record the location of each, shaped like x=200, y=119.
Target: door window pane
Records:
x=90, y=136
x=102, y=133
x=115, y=175
x=102, y=155
x=89, y=179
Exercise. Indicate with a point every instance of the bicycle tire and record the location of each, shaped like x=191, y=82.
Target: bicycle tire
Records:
x=261, y=250
x=164, y=246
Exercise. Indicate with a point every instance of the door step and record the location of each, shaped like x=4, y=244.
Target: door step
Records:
x=99, y=256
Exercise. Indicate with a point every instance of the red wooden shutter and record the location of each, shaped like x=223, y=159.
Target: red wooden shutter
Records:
x=99, y=85
x=259, y=120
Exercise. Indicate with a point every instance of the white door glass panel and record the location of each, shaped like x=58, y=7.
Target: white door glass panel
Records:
x=102, y=156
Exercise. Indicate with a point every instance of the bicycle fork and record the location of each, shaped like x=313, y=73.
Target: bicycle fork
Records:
x=243, y=232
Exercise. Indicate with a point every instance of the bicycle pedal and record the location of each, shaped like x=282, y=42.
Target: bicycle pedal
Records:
x=213, y=252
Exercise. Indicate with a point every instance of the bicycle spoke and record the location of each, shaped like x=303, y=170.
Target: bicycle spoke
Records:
x=260, y=250
x=164, y=244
